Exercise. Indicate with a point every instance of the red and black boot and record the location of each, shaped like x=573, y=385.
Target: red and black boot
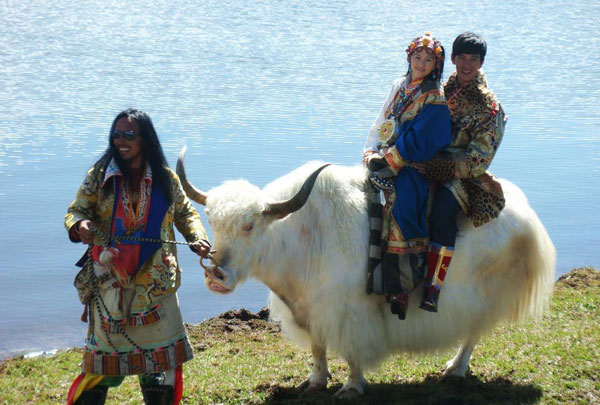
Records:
x=438, y=261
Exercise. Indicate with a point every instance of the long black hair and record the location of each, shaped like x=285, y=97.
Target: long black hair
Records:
x=153, y=152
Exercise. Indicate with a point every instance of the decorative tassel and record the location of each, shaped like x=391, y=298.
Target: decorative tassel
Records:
x=109, y=258
x=106, y=258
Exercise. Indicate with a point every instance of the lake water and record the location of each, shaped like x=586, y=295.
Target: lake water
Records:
x=255, y=89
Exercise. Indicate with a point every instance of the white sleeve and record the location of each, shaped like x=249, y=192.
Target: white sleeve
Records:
x=372, y=143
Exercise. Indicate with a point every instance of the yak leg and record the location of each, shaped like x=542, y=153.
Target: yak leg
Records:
x=317, y=380
x=355, y=385
x=459, y=365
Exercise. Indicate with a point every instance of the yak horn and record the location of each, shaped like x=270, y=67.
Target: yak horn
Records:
x=284, y=208
x=192, y=192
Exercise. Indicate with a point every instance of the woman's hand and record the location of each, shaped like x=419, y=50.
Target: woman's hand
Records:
x=366, y=156
x=83, y=230
x=376, y=162
x=202, y=248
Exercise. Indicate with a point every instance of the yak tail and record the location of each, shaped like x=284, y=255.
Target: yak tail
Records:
x=536, y=274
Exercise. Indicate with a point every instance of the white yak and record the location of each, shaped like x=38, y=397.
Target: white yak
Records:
x=311, y=248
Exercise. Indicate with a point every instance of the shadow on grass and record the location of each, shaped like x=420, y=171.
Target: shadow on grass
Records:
x=469, y=390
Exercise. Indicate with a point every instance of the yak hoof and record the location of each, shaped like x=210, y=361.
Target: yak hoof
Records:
x=308, y=386
x=352, y=389
x=348, y=393
x=454, y=369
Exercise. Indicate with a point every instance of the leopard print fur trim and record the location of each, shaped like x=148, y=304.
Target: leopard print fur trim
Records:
x=440, y=170
x=483, y=195
x=474, y=99
x=483, y=206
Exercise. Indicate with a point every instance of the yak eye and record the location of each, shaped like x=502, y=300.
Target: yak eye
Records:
x=248, y=227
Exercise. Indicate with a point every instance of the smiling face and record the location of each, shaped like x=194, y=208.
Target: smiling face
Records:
x=422, y=62
x=467, y=66
x=131, y=151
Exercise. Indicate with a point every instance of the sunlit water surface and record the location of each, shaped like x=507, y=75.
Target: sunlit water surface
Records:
x=255, y=90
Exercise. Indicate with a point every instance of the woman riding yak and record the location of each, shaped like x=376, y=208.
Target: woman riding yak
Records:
x=412, y=126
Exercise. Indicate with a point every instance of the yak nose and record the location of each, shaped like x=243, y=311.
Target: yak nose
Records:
x=212, y=268
x=214, y=271
x=218, y=273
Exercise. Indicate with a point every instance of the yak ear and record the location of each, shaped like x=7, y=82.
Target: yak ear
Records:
x=192, y=192
x=281, y=209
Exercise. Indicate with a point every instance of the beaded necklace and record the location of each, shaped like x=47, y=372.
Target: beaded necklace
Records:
x=456, y=92
x=403, y=98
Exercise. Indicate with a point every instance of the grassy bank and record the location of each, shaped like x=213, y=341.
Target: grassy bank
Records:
x=242, y=358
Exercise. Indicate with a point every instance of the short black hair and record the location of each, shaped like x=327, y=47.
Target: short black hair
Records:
x=470, y=43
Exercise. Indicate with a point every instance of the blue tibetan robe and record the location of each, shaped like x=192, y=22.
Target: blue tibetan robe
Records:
x=422, y=130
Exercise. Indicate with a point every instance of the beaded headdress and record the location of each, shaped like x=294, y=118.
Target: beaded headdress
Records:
x=428, y=41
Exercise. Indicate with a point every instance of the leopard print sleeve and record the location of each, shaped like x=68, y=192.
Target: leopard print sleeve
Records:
x=440, y=169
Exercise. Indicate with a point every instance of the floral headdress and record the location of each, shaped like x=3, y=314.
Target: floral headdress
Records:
x=428, y=41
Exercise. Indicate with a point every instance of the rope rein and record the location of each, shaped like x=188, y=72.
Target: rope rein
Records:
x=117, y=239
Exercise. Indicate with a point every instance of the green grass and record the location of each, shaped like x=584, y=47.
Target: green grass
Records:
x=554, y=360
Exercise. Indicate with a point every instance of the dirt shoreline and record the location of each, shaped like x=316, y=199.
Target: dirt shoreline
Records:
x=244, y=320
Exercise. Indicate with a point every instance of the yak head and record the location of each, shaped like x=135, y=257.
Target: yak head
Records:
x=239, y=214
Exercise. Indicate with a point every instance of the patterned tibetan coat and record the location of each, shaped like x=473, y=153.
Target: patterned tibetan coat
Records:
x=478, y=123
x=146, y=308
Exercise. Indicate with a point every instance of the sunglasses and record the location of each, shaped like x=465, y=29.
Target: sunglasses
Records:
x=128, y=135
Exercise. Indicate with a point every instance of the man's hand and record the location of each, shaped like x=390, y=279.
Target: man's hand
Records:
x=366, y=157
x=84, y=232
x=202, y=248
x=421, y=167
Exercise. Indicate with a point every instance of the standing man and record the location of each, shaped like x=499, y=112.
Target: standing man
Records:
x=135, y=324
x=460, y=171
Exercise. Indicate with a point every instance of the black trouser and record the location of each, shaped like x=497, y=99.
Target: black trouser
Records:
x=443, y=216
